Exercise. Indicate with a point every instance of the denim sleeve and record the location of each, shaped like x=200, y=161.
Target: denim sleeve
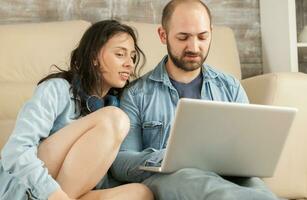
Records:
x=131, y=155
x=34, y=122
x=239, y=93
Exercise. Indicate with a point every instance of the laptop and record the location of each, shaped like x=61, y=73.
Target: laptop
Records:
x=230, y=139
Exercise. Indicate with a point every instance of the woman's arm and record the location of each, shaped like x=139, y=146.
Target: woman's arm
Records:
x=34, y=122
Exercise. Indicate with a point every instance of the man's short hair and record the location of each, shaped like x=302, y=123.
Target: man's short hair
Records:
x=170, y=7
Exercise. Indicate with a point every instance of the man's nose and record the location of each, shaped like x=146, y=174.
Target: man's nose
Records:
x=193, y=45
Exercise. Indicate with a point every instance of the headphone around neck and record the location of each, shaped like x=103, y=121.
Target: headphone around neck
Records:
x=94, y=102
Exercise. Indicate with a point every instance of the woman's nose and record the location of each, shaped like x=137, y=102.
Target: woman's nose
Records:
x=129, y=63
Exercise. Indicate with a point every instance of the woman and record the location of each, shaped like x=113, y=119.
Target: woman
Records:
x=69, y=133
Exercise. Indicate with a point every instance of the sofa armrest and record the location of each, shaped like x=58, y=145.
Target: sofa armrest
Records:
x=286, y=89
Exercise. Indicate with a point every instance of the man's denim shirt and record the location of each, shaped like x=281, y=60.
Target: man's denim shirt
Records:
x=150, y=103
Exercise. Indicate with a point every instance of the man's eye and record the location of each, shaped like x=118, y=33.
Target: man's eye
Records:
x=203, y=37
x=182, y=38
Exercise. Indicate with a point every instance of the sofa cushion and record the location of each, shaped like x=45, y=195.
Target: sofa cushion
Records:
x=286, y=89
x=13, y=96
x=28, y=50
x=6, y=129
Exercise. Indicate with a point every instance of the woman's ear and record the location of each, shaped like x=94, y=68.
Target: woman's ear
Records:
x=95, y=62
x=162, y=34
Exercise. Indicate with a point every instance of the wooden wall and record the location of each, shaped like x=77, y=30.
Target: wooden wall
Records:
x=301, y=15
x=241, y=15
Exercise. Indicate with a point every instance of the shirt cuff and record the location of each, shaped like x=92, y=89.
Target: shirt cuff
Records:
x=45, y=188
x=156, y=158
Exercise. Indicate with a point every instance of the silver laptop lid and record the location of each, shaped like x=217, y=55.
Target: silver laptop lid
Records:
x=227, y=138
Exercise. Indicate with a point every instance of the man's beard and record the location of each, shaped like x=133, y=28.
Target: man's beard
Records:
x=187, y=65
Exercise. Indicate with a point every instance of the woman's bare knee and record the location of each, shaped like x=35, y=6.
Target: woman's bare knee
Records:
x=45, y=154
x=97, y=149
x=115, y=121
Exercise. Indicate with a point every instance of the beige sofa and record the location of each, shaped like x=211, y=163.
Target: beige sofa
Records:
x=27, y=52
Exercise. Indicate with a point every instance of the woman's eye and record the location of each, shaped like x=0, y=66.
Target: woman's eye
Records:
x=120, y=54
x=133, y=58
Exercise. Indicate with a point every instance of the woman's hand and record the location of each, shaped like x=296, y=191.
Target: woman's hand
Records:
x=59, y=195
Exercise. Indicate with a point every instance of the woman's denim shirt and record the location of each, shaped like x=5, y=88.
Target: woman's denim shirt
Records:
x=150, y=103
x=50, y=109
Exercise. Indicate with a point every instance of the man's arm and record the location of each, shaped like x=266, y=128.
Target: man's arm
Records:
x=239, y=93
x=131, y=155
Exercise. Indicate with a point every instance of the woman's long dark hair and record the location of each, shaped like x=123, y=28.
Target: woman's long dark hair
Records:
x=82, y=60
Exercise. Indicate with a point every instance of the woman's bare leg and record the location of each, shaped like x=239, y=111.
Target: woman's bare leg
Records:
x=133, y=191
x=79, y=155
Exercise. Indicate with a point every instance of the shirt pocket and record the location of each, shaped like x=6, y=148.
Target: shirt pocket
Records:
x=152, y=134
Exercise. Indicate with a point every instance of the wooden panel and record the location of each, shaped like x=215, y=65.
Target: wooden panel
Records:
x=251, y=69
x=241, y=15
x=301, y=15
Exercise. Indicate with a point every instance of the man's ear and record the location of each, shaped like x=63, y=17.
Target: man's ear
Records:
x=162, y=34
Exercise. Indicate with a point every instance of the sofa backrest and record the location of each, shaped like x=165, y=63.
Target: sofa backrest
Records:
x=27, y=52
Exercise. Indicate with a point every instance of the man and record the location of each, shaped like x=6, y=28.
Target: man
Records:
x=150, y=103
